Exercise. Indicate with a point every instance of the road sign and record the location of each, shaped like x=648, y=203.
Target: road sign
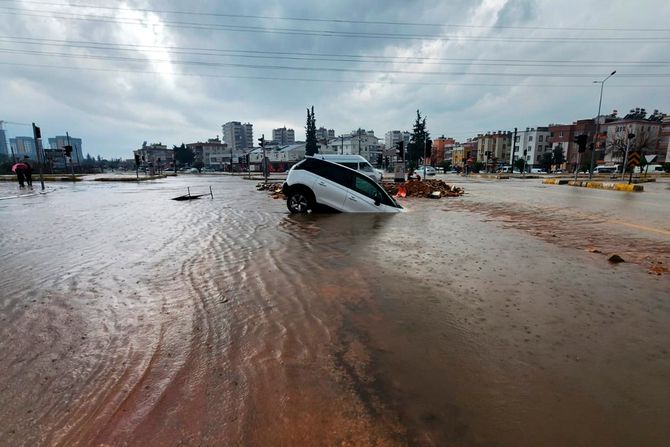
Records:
x=633, y=159
x=650, y=158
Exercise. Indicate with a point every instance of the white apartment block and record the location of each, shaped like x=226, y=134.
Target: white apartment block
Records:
x=358, y=142
x=238, y=135
x=394, y=136
x=283, y=136
x=535, y=142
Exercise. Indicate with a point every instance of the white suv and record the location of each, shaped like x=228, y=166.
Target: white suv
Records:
x=314, y=183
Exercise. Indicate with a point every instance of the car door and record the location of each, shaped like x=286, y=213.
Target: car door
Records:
x=330, y=184
x=363, y=194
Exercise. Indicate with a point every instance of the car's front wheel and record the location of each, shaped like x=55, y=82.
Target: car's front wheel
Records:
x=300, y=202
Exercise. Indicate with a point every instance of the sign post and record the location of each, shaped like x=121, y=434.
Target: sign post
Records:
x=649, y=159
x=633, y=161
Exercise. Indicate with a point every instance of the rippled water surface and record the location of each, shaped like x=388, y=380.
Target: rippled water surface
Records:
x=131, y=319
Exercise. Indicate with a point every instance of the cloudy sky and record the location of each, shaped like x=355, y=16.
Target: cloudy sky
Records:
x=120, y=73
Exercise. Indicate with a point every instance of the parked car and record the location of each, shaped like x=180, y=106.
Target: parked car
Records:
x=355, y=162
x=429, y=170
x=603, y=169
x=537, y=171
x=316, y=183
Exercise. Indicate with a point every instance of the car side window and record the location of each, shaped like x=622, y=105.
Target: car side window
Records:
x=366, y=187
x=334, y=173
x=366, y=167
x=338, y=175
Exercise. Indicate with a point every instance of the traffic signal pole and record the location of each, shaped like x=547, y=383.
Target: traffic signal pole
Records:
x=67, y=134
x=37, y=134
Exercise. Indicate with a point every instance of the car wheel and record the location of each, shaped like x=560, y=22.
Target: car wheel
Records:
x=300, y=201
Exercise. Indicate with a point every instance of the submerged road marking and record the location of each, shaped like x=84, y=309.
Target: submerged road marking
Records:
x=640, y=227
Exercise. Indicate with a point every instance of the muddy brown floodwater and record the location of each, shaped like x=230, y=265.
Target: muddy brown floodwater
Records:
x=130, y=319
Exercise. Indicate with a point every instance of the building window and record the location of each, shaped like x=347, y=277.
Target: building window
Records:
x=560, y=134
x=540, y=138
x=530, y=138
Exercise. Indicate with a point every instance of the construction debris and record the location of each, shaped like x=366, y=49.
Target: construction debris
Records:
x=432, y=188
x=275, y=189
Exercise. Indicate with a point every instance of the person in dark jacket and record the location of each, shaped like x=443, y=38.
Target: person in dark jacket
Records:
x=28, y=172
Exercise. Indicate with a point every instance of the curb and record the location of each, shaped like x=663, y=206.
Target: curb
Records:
x=607, y=185
x=555, y=181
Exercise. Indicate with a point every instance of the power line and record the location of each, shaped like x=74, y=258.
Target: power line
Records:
x=339, y=21
x=317, y=80
x=333, y=33
x=327, y=69
x=315, y=57
x=326, y=57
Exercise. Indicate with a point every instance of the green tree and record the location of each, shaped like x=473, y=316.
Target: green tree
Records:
x=446, y=165
x=417, y=142
x=520, y=164
x=311, y=146
x=198, y=165
x=546, y=160
x=558, y=158
x=183, y=155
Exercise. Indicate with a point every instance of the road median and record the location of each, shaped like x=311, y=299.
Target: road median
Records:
x=612, y=186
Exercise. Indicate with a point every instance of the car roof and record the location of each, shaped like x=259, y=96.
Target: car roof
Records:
x=338, y=157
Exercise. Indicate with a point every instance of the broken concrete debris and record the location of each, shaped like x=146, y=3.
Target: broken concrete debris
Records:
x=432, y=188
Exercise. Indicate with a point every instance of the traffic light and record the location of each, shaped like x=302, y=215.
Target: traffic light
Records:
x=380, y=159
x=261, y=141
x=429, y=147
x=581, y=143
x=137, y=159
x=401, y=149
x=68, y=150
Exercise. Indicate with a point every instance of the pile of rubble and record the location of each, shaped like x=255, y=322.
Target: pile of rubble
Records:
x=273, y=188
x=432, y=189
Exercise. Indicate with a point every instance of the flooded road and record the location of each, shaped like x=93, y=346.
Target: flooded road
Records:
x=131, y=319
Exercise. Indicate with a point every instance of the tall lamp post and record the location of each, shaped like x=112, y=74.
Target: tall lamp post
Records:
x=600, y=103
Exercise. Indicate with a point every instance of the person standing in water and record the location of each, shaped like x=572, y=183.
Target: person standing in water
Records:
x=28, y=172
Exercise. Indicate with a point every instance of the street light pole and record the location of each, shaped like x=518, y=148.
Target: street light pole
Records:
x=600, y=103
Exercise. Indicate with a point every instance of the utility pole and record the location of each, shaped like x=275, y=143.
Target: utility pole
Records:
x=67, y=135
x=231, y=160
x=37, y=134
x=342, y=149
x=600, y=103
x=264, y=164
x=513, y=150
x=359, y=141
